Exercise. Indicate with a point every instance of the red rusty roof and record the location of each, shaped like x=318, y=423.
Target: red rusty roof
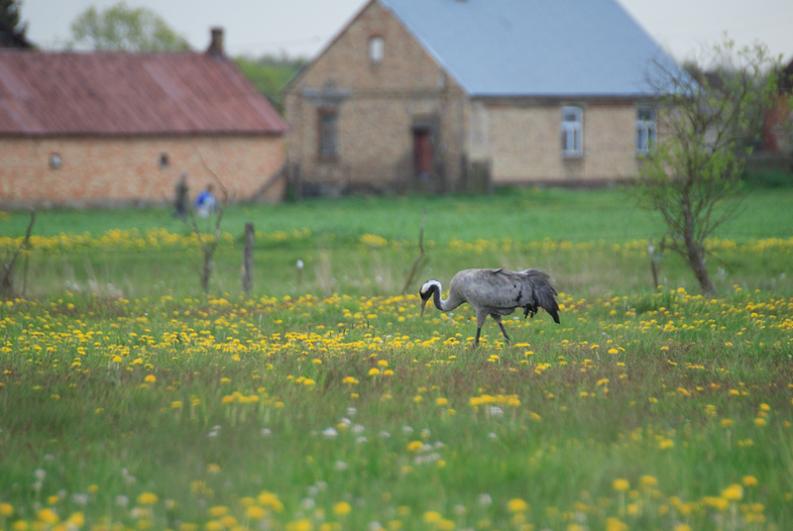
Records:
x=115, y=93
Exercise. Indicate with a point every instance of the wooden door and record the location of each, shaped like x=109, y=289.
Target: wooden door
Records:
x=422, y=151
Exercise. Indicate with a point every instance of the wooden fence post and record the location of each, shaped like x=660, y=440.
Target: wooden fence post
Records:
x=247, y=260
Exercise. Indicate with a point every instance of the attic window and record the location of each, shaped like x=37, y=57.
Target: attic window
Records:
x=572, y=132
x=55, y=161
x=165, y=160
x=376, y=50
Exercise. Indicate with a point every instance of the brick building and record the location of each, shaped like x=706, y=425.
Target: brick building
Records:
x=117, y=128
x=458, y=94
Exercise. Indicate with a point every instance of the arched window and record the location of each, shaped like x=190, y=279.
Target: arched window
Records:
x=376, y=50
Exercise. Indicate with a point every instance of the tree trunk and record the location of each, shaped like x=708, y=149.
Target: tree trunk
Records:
x=696, y=259
x=695, y=250
x=247, y=260
x=206, y=271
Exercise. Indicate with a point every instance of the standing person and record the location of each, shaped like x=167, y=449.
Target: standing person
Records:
x=205, y=202
x=182, y=197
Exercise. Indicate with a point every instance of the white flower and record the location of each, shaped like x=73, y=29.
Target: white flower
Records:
x=494, y=411
x=122, y=501
x=79, y=498
x=40, y=474
x=341, y=466
x=329, y=433
x=484, y=499
x=265, y=432
x=308, y=503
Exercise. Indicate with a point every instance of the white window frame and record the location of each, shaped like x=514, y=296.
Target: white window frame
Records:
x=376, y=49
x=646, y=129
x=572, y=132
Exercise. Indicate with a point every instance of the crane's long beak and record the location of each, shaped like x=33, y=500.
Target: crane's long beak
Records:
x=423, y=305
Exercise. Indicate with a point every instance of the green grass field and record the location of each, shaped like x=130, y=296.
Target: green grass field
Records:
x=128, y=399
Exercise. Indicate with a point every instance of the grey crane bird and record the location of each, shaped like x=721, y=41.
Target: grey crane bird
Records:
x=494, y=292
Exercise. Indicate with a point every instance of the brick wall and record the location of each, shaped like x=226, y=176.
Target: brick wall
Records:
x=523, y=142
x=105, y=171
x=382, y=104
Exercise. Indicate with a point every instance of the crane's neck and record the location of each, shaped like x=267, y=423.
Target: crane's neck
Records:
x=444, y=305
x=436, y=298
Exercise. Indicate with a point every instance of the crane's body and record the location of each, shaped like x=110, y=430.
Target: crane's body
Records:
x=494, y=292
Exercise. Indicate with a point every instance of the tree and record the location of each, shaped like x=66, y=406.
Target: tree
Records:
x=270, y=74
x=12, y=29
x=708, y=124
x=124, y=28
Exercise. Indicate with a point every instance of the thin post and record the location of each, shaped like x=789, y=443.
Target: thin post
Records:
x=299, y=265
x=247, y=260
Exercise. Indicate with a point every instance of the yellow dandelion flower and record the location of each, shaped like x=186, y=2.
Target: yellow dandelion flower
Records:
x=749, y=481
x=254, y=512
x=76, y=519
x=216, y=511
x=304, y=524
x=620, y=485
x=6, y=510
x=415, y=446
x=716, y=502
x=342, y=508
x=648, y=481
x=517, y=505
x=47, y=516
x=271, y=500
x=733, y=493
x=147, y=498
x=432, y=517
x=150, y=378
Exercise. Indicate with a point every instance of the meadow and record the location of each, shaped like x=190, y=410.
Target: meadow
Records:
x=129, y=399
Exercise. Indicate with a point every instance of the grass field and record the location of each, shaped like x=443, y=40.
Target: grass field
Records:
x=130, y=400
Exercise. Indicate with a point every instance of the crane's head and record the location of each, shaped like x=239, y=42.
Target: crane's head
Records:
x=426, y=292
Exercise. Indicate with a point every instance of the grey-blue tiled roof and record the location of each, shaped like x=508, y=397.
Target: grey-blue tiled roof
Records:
x=535, y=47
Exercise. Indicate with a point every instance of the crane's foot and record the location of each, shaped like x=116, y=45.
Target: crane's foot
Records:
x=504, y=332
x=476, y=339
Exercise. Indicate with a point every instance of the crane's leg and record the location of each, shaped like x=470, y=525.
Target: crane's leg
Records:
x=497, y=318
x=480, y=320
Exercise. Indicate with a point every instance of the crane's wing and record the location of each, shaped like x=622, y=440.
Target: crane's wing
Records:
x=543, y=294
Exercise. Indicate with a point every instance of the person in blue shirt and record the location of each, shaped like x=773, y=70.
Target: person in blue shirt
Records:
x=205, y=203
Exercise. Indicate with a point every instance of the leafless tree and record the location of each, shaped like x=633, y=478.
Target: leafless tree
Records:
x=10, y=262
x=707, y=126
x=420, y=261
x=209, y=242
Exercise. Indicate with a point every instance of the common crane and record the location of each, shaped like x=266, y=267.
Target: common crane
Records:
x=494, y=292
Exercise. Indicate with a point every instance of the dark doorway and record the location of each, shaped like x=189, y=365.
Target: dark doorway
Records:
x=422, y=151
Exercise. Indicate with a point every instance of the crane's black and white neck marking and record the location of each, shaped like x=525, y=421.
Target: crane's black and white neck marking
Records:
x=431, y=288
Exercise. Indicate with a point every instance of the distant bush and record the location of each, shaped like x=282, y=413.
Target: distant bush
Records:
x=769, y=178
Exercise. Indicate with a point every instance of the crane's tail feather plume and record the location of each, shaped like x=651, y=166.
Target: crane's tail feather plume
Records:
x=544, y=294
